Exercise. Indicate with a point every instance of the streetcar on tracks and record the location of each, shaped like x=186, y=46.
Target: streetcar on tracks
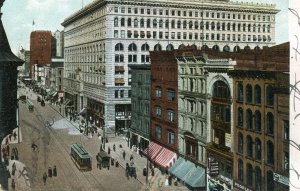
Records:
x=81, y=157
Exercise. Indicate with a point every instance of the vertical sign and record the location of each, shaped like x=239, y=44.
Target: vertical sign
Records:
x=294, y=36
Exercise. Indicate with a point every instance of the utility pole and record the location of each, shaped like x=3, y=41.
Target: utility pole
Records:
x=18, y=121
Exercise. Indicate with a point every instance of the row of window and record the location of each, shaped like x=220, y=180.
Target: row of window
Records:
x=170, y=93
x=256, y=96
x=183, y=13
x=191, y=25
x=121, y=93
x=255, y=119
x=192, y=36
x=170, y=113
x=170, y=134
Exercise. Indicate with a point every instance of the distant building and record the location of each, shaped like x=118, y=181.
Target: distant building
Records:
x=24, y=69
x=58, y=44
x=40, y=53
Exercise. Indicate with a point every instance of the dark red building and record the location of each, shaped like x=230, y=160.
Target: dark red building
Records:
x=40, y=49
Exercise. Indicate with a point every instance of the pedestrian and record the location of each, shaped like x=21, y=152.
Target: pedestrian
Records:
x=106, y=140
x=50, y=172
x=45, y=178
x=127, y=170
x=54, y=171
x=114, y=148
x=13, y=184
x=131, y=157
x=108, y=150
x=13, y=169
x=15, y=135
x=124, y=154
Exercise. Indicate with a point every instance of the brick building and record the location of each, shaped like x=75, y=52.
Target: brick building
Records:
x=40, y=52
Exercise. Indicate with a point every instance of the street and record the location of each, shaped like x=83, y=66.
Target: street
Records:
x=53, y=149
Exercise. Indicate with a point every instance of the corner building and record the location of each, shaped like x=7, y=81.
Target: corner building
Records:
x=104, y=37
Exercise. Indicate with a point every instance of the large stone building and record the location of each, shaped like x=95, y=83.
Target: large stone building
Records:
x=58, y=44
x=105, y=36
x=261, y=119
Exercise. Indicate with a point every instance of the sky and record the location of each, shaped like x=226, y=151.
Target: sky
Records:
x=18, y=17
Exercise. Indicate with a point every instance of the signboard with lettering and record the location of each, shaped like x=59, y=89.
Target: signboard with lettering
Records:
x=281, y=179
x=241, y=187
x=213, y=166
x=228, y=139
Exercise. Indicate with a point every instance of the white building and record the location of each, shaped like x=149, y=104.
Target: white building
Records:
x=104, y=37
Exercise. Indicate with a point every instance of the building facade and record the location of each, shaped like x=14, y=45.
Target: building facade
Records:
x=58, y=44
x=107, y=35
x=261, y=122
x=40, y=52
x=140, y=105
x=24, y=69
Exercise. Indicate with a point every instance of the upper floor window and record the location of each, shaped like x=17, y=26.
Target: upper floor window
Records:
x=171, y=137
x=240, y=92
x=249, y=119
x=158, y=111
x=119, y=58
x=158, y=132
x=136, y=23
x=257, y=149
x=257, y=121
x=170, y=47
x=129, y=22
x=240, y=170
x=249, y=146
x=145, y=47
x=240, y=117
x=221, y=90
x=119, y=47
x=157, y=47
x=269, y=95
x=270, y=152
x=171, y=94
x=286, y=130
x=240, y=143
x=257, y=179
x=158, y=91
x=270, y=123
x=249, y=93
x=270, y=181
x=170, y=114
x=249, y=175
x=257, y=94
x=132, y=47
x=116, y=22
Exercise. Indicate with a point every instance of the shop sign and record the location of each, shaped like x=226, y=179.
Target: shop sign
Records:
x=226, y=180
x=213, y=166
x=241, y=187
x=228, y=139
x=60, y=94
x=281, y=179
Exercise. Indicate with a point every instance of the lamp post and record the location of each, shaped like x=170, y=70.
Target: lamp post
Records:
x=18, y=121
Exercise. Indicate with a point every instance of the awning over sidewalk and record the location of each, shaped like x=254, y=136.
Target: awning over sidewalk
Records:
x=165, y=158
x=188, y=172
x=152, y=150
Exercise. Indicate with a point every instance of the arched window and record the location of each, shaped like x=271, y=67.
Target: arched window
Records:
x=249, y=27
x=207, y=25
x=236, y=49
x=249, y=175
x=122, y=22
x=160, y=23
x=194, y=47
x=181, y=46
x=269, y=95
x=257, y=179
x=190, y=24
x=270, y=152
x=221, y=90
x=240, y=92
x=132, y=47
x=226, y=48
x=257, y=149
x=249, y=119
x=173, y=24
x=216, y=48
x=157, y=47
x=148, y=23
x=240, y=143
x=228, y=26
x=116, y=21
x=119, y=47
x=129, y=22
x=257, y=121
x=212, y=25
x=204, y=47
x=257, y=47
x=184, y=24
x=240, y=170
x=170, y=47
x=158, y=91
x=249, y=146
x=145, y=47
x=167, y=24
x=257, y=94
x=247, y=48
x=270, y=123
x=248, y=93
x=270, y=181
x=240, y=117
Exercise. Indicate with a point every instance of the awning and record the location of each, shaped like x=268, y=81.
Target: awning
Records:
x=82, y=112
x=188, y=172
x=165, y=158
x=152, y=150
x=119, y=69
x=119, y=81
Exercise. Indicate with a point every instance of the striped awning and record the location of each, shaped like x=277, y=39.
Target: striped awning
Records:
x=165, y=158
x=152, y=150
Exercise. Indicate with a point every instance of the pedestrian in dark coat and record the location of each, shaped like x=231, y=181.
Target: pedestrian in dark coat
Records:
x=114, y=148
x=13, y=184
x=124, y=154
x=45, y=178
x=131, y=156
x=54, y=171
x=15, y=135
x=108, y=150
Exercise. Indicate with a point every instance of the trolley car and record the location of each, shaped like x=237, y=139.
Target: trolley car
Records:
x=81, y=157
